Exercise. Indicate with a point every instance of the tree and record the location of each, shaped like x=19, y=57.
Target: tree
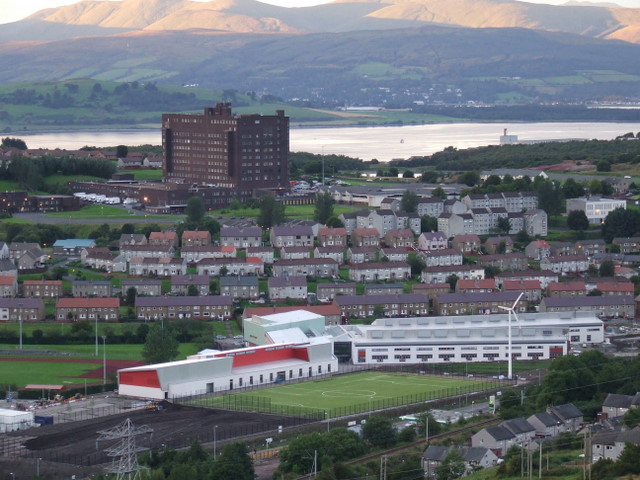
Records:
x=452, y=280
x=607, y=268
x=160, y=345
x=428, y=224
x=603, y=166
x=451, y=467
x=621, y=223
x=409, y=201
x=549, y=196
x=572, y=189
x=439, y=192
x=379, y=431
x=407, y=174
x=469, y=178
x=122, y=151
x=503, y=225
x=130, y=296
x=393, y=172
x=324, y=207
x=577, y=220
x=13, y=143
x=430, y=176
x=195, y=210
x=234, y=462
x=271, y=212
x=334, y=222
x=192, y=291
x=416, y=262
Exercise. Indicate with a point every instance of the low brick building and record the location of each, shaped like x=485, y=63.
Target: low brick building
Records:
x=476, y=303
x=93, y=288
x=21, y=309
x=206, y=307
x=376, y=271
x=240, y=287
x=42, y=288
x=87, y=309
x=281, y=288
x=328, y=291
x=403, y=305
x=180, y=284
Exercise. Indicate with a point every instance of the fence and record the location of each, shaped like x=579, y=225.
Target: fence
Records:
x=241, y=401
x=18, y=446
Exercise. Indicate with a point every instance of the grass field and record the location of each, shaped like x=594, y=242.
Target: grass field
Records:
x=348, y=394
x=21, y=373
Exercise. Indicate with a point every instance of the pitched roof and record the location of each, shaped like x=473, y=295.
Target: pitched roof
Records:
x=98, y=302
x=499, y=433
x=203, y=300
x=279, y=282
x=567, y=411
x=616, y=400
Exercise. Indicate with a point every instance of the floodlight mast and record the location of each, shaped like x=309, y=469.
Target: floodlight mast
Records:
x=511, y=309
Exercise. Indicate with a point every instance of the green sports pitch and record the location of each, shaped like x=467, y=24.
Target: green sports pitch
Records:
x=348, y=394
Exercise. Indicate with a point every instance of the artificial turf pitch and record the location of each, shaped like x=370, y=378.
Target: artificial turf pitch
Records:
x=351, y=393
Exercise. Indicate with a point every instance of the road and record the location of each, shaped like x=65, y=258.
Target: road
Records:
x=137, y=218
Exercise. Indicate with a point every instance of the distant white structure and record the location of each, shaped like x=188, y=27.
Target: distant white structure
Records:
x=595, y=208
x=508, y=139
x=14, y=420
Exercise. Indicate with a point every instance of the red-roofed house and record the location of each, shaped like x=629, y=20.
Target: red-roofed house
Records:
x=399, y=238
x=538, y=249
x=42, y=288
x=485, y=285
x=196, y=238
x=8, y=286
x=531, y=288
x=78, y=309
x=332, y=237
x=467, y=243
x=365, y=237
x=164, y=238
x=567, y=289
x=616, y=288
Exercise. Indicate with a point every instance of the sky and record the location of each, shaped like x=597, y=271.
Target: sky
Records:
x=14, y=10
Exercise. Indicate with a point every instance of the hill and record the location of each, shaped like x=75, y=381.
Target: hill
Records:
x=251, y=16
x=431, y=64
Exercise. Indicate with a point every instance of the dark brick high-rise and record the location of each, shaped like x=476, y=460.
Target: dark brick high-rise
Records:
x=242, y=152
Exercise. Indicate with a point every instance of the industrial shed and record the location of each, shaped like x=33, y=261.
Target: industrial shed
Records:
x=13, y=420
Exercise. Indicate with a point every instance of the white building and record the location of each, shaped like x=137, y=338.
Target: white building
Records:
x=471, y=338
x=596, y=208
x=216, y=371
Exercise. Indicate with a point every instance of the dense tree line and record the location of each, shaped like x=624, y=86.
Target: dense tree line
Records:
x=30, y=173
x=194, y=463
x=584, y=380
x=327, y=452
x=527, y=156
x=311, y=164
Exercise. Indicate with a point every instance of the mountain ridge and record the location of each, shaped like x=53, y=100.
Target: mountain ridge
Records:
x=252, y=16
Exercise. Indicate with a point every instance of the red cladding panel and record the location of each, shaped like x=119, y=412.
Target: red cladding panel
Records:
x=140, y=378
x=269, y=354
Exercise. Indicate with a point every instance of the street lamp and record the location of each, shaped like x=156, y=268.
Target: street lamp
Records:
x=104, y=359
x=21, y=308
x=38, y=467
x=215, y=429
x=97, y=316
